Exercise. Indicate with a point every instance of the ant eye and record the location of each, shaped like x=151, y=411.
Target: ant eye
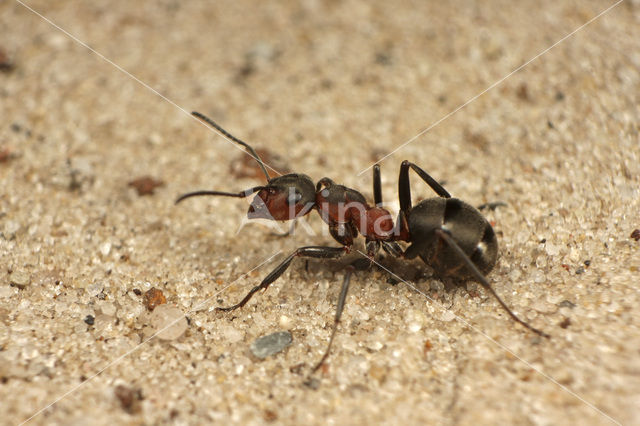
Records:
x=294, y=198
x=325, y=193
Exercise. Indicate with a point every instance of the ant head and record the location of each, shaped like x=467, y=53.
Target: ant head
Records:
x=379, y=224
x=284, y=198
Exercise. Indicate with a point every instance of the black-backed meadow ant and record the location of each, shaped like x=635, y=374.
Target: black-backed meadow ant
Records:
x=448, y=234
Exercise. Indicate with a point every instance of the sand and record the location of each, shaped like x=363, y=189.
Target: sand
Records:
x=330, y=87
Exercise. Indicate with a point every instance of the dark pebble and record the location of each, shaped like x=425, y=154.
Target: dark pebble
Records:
x=567, y=304
x=271, y=344
x=129, y=398
x=565, y=323
x=312, y=383
x=89, y=319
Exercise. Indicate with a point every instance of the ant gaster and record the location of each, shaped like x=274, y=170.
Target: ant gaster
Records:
x=448, y=234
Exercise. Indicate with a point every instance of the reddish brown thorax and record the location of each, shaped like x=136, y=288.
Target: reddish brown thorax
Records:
x=337, y=212
x=372, y=222
x=379, y=224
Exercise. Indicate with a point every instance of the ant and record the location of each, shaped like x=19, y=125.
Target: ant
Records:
x=449, y=235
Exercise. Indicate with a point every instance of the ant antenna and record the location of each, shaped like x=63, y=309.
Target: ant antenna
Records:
x=241, y=194
x=229, y=136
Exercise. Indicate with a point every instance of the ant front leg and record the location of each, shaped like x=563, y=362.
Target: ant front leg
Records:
x=309, y=251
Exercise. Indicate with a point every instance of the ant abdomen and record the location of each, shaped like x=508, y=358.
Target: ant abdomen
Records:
x=465, y=224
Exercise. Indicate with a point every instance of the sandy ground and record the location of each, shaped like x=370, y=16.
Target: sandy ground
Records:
x=330, y=87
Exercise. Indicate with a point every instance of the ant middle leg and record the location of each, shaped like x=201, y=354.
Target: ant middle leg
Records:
x=321, y=252
x=377, y=186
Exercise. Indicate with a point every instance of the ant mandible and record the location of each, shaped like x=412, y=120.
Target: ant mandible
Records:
x=449, y=235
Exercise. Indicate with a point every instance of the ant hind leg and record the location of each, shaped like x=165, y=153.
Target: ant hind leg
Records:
x=404, y=188
x=483, y=281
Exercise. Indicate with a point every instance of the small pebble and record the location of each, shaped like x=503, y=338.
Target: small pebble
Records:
x=6, y=64
x=129, y=398
x=146, y=185
x=108, y=308
x=414, y=327
x=168, y=321
x=153, y=297
x=447, y=316
x=105, y=248
x=11, y=228
x=565, y=323
x=5, y=155
x=230, y=333
x=285, y=322
x=635, y=234
x=312, y=383
x=19, y=279
x=6, y=292
x=552, y=249
x=271, y=344
x=89, y=319
x=95, y=288
x=270, y=416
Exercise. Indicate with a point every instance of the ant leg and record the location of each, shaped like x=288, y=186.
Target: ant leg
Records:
x=372, y=246
x=492, y=206
x=483, y=281
x=343, y=233
x=404, y=189
x=241, y=194
x=309, y=251
x=392, y=248
x=341, y=299
x=377, y=186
